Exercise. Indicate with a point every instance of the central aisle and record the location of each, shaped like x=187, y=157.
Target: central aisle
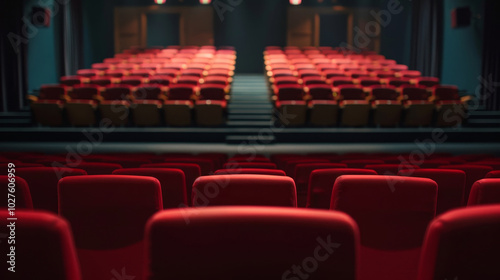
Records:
x=250, y=105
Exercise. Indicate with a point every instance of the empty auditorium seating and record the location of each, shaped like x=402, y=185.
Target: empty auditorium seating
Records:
x=42, y=182
x=319, y=189
x=16, y=192
x=107, y=214
x=43, y=247
x=191, y=173
x=260, y=165
x=247, y=189
x=472, y=174
x=197, y=74
x=233, y=241
x=462, y=244
x=392, y=213
x=361, y=163
x=97, y=168
x=303, y=172
x=485, y=191
x=210, y=112
x=260, y=171
x=352, y=76
x=173, y=183
x=48, y=107
x=450, y=107
x=493, y=174
x=451, y=186
x=392, y=169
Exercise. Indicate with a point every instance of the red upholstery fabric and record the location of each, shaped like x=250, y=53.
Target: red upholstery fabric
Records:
x=98, y=168
x=361, y=163
x=44, y=247
x=4, y=167
x=290, y=164
x=392, y=213
x=392, y=169
x=206, y=165
x=21, y=197
x=303, y=172
x=463, y=244
x=251, y=243
x=261, y=171
x=319, y=190
x=107, y=214
x=127, y=162
x=495, y=164
x=451, y=186
x=485, y=191
x=239, y=165
x=173, y=183
x=255, y=190
x=42, y=182
x=493, y=174
x=191, y=173
x=472, y=174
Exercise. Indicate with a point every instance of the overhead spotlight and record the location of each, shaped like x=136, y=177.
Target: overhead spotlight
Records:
x=295, y=2
x=160, y=2
x=205, y=2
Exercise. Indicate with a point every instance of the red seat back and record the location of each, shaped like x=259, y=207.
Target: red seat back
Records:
x=392, y=213
x=44, y=247
x=255, y=190
x=462, y=244
x=240, y=238
x=108, y=214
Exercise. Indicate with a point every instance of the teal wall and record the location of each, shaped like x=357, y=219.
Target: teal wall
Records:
x=462, y=47
x=395, y=38
x=44, y=53
x=98, y=31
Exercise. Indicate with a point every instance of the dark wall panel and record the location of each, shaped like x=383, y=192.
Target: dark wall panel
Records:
x=250, y=27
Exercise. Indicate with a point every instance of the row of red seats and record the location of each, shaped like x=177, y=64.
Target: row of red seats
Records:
x=144, y=105
x=313, y=176
x=173, y=93
x=384, y=231
x=401, y=97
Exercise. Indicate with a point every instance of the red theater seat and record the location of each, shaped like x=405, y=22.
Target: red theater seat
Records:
x=493, y=174
x=260, y=165
x=392, y=169
x=44, y=247
x=303, y=172
x=4, y=167
x=97, y=168
x=107, y=214
x=256, y=190
x=16, y=193
x=462, y=244
x=319, y=190
x=48, y=107
x=115, y=107
x=451, y=186
x=260, y=171
x=485, y=191
x=173, y=184
x=210, y=112
x=472, y=174
x=392, y=213
x=42, y=182
x=361, y=163
x=191, y=173
x=206, y=165
x=292, y=113
x=256, y=242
